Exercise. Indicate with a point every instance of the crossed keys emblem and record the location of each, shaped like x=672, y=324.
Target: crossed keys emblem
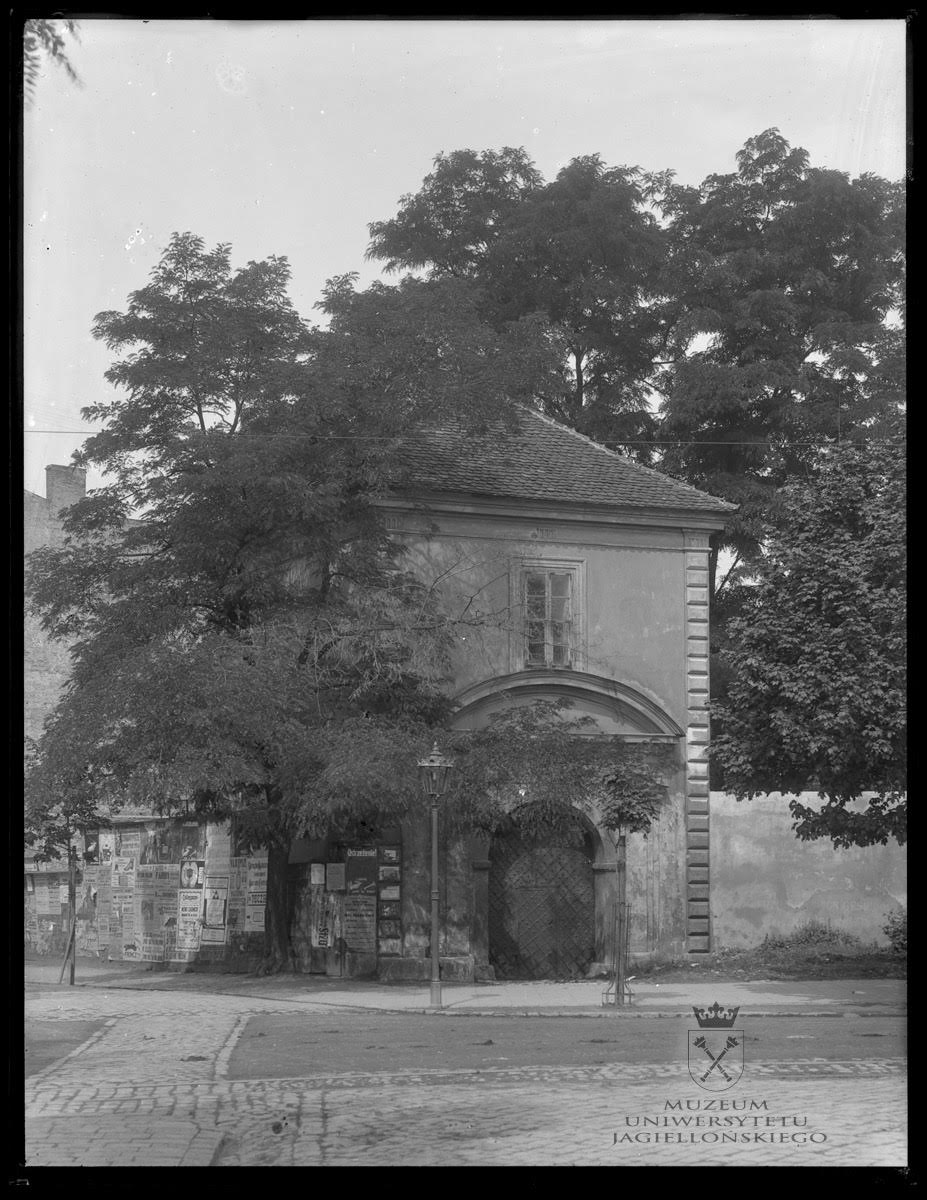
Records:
x=725, y=1059
x=716, y=1062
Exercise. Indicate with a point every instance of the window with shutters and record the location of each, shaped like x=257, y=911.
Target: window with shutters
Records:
x=549, y=602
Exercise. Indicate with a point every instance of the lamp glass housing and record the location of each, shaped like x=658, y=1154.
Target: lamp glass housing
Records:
x=434, y=772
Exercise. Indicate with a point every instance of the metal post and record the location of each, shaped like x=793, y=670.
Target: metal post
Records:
x=72, y=910
x=621, y=964
x=435, y=960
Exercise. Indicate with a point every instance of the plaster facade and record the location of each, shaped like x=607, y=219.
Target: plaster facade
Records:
x=639, y=669
x=765, y=882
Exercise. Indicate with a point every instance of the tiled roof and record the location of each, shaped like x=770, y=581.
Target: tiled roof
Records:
x=544, y=460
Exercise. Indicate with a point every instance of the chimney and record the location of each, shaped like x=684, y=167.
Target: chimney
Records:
x=64, y=486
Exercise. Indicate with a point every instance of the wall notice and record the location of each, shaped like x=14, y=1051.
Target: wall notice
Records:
x=256, y=896
x=218, y=849
x=360, y=923
x=238, y=894
x=189, y=912
x=215, y=909
x=360, y=871
x=389, y=929
x=326, y=918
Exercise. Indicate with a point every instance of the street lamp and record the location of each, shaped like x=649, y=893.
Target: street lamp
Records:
x=433, y=772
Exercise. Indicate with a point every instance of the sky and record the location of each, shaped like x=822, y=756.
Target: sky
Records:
x=290, y=137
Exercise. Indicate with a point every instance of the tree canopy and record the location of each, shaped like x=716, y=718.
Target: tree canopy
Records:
x=726, y=333
x=581, y=251
x=783, y=297
x=816, y=697
x=246, y=636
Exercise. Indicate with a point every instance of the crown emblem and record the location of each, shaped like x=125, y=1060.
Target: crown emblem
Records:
x=715, y=1017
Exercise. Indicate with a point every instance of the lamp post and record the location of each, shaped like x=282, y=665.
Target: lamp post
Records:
x=433, y=772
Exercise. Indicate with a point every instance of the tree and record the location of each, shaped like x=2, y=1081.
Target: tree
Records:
x=536, y=765
x=782, y=305
x=816, y=699
x=449, y=225
x=251, y=643
x=744, y=325
x=581, y=251
x=43, y=41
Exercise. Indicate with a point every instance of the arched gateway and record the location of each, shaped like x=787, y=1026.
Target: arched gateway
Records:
x=542, y=905
x=548, y=900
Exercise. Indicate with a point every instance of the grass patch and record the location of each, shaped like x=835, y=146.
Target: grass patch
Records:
x=813, y=951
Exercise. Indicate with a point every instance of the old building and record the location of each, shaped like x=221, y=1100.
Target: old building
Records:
x=596, y=570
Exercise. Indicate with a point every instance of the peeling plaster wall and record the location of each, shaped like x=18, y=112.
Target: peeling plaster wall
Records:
x=765, y=881
x=636, y=628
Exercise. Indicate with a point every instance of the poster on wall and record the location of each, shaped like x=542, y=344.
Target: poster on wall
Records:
x=87, y=892
x=389, y=879
x=128, y=846
x=46, y=904
x=256, y=896
x=147, y=942
x=334, y=877
x=326, y=919
x=190, y=840
x=104, y=890
x=319, y=930
x=317, y=874
x=193, y=873
x=238, y=894
x=156, y=887
x=107, y=845
x=360, y=923
x=104, y=902
x=154, y=844
x=122, y=899
x=360, y=871
x=218, y=852
x=215, y=909
x=189, y=912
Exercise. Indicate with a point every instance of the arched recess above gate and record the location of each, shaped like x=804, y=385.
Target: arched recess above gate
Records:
x=616, y=708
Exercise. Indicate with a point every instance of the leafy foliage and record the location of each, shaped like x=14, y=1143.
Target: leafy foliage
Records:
x=43, y=41
x=816, y=701
x=449, y=225
x=581, y=252
x=748, y=323
x=783, y=298
x=252, y=642
x=536, y=765
x=896, y=930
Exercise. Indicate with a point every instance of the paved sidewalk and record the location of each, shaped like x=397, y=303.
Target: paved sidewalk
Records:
x=815, y=997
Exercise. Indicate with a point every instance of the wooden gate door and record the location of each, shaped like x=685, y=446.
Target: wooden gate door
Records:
x=541, y=910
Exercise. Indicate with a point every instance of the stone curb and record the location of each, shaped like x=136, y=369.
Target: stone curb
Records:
x=606, y=1013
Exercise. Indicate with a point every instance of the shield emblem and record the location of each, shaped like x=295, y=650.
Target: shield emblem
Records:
x=716, y=1058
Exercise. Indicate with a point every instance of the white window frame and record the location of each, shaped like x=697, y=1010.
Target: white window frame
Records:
x=576, y=569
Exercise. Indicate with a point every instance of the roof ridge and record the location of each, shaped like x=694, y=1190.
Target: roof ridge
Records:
x=623, y=458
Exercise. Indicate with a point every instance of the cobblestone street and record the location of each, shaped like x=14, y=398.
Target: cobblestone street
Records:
x=152, y=1087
